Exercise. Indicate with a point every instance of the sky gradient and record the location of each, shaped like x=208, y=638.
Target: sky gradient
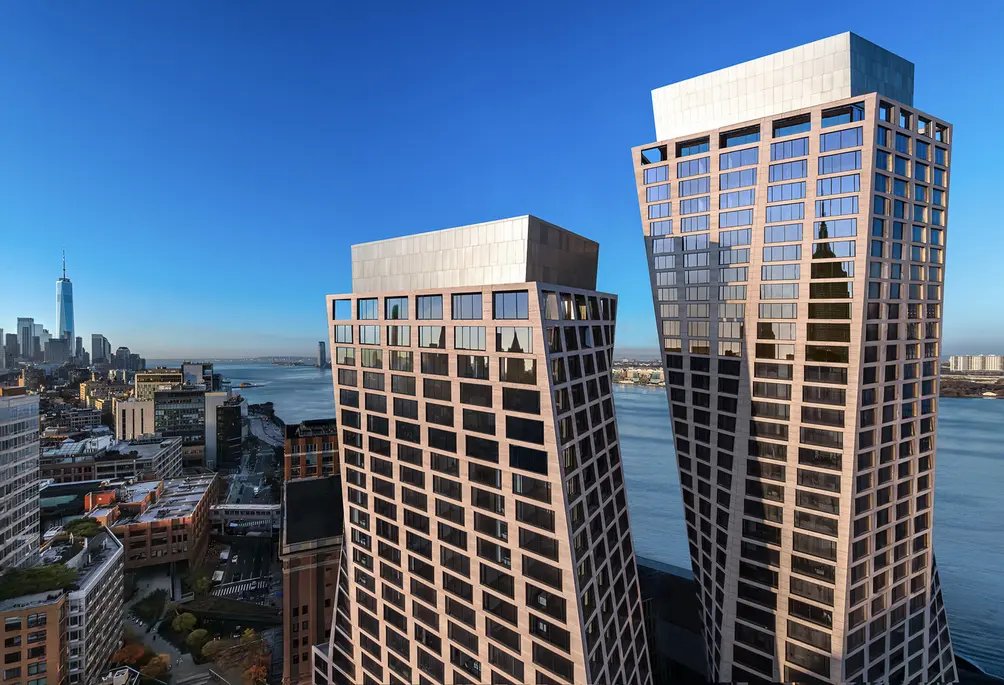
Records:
x=208, y=165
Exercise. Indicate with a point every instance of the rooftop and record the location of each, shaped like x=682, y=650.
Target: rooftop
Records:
x=178, y=499
x=312, y=428
x=834, y=68
x=313, y=509
x=515, y=250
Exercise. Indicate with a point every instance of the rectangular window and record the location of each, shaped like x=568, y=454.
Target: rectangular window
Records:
x=732, y=160
x=838, y=228
x=661, y=210
x=368, y=308
x=789, y=149
x=657, y=174
x=782, y=233
x=845, y=114
x=511, y=305
x=840, y=162
x=736, y=179
x=433, y=337
x=396, y=308
x=741, y=217
x=789, y=212
x=692, y=147
x=657, y=193
x=694, y=205
x=399, y=336
x=467, y=306
x=469, y=338
x=692, y=167
x=788, y=170
x=517, y=339
x=738, y=138
x=839, y=140
x=695, y=186
x=429, y=306
x=785, y=192
x=837, y=206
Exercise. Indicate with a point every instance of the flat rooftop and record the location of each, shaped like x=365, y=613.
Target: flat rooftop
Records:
x=519, y=249
x=834, y=68
x=179, y=498
x=313, y=509
x=312, y=428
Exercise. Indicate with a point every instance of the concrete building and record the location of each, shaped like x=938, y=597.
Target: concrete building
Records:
x=481, y=465
x=310, y=449
x=35, y=636
x=101, y=349
x=801, y=325
x=19, y=532
x=133, y=418
x=231, y=432
x=64, y=309
x=94, y=602
x=108, y=459
x=310, y=552
x=181, y=412
x=25, y=337
x=977, y=362
x=71, y=419
x=159, y=522
x=214, y=400
x=146, y=383
x=198, y=374
x=322, y=356
x=57, y=351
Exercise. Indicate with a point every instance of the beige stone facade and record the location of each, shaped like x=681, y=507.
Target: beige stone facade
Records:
x=797, y=266
x=487, y=535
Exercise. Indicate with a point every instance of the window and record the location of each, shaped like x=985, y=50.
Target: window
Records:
x=789, y=212
x=844, y=114
x=742, y=137
x=396, y=308
x=514, y=339
x=840, y=162
x=692, y=147
x=518, y=370
x=657, y=193
x=732, y=160
x=838, y=140
x=435, y=363
x=657, y=174
x=789, y=127
x=851, y=183
x=467, y=306
x=472, y=366
x=692, y=206
x=433, y=337
x=653, y=155
x=469, y=338
x=429, y=306
x=369, y=308
x=787, y=191
x=398, y=336
x=782, y=233
x=695, y=186
x=837, y=206
x=788, y=170
x=511, y=305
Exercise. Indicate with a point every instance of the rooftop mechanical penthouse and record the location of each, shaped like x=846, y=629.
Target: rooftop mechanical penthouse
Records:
x=487, y=535
x=795, y=220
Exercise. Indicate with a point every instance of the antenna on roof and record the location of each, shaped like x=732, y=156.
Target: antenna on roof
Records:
x=64, y=262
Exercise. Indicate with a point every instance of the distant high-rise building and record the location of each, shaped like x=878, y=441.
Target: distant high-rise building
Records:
x=57, y=351
x=488, y=535
x=43, y=335
x=322, y=357
x=64, y=306
x=25, y=337
x=78, y=348
x=101, y=349
x=19, y=454
x=794, y=212
x=978, y=362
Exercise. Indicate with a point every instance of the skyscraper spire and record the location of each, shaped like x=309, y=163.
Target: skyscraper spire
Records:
x=64, y=262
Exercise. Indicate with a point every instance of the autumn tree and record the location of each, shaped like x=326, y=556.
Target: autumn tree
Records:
x=248, y=636
x=130, y=654
x=256, y=673
x=212, y=649
x=157, y=666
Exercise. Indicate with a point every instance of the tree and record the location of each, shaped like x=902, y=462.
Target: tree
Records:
x=130, y=654
x=83, y=526
x=256, y=673
x=201, y=584
x=157, y=666
x=248, y=636
x=212, y=649
x=196, y=639
x=182, y=623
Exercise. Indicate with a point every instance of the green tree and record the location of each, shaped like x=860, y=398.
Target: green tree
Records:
x=182, y=623
x=248, y=636
x=201, y=584
x=196, y=639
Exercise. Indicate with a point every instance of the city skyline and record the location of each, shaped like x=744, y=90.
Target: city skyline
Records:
x=196, y=175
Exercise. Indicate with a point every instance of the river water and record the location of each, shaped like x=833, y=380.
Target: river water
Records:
x=969, y=502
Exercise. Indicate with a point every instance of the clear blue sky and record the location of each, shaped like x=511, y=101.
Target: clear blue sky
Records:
x=208, y=164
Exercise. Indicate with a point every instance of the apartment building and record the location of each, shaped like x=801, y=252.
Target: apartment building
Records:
x=976, y=362
x=311, y=449
x=795, y=214
x=488, y=536
x=310, y=552
x=19, y=448
x=103, y=458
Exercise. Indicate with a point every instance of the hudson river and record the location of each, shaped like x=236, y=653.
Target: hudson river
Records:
x=969, y=490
